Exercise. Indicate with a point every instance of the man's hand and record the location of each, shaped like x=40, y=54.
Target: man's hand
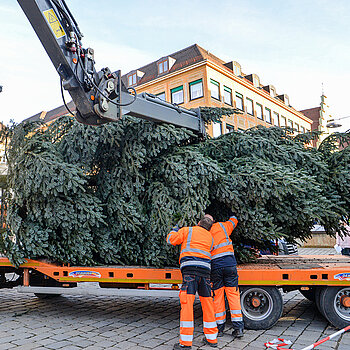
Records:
x=176, y=228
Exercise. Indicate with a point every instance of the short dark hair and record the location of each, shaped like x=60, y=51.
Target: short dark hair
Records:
x=206, y=223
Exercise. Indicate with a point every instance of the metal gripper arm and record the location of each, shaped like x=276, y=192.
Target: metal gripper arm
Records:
x=100, y=97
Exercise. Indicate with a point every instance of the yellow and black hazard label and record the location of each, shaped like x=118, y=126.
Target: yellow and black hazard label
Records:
x=54, y=23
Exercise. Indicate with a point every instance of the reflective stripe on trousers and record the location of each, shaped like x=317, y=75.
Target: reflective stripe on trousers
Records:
x=186, y=338
x=236, y=315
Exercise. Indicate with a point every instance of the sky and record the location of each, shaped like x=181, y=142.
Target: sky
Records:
x=296, y=45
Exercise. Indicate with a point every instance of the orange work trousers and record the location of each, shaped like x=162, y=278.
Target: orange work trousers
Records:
x=225, y=281
x=190, y=286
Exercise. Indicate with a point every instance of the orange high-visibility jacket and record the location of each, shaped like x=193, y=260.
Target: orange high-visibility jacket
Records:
x=196, y=244
x=221, y=232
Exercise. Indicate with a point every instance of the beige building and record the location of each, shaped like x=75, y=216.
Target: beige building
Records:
x=194, y=77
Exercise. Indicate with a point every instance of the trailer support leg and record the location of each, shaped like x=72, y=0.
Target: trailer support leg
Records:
x=26, y=277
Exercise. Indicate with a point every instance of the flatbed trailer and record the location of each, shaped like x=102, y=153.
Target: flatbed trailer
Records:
x=324, y=279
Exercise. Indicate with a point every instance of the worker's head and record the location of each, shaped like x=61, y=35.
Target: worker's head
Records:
x=206, y=222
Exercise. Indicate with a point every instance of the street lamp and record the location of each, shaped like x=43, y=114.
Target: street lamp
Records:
x=332, y=123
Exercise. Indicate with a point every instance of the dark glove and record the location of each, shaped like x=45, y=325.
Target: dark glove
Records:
x=176, y=228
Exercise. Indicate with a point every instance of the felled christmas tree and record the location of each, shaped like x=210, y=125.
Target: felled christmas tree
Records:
x=110, y=194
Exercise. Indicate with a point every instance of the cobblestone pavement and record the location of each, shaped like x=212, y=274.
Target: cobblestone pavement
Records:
x=87, y=322
x=134, y=323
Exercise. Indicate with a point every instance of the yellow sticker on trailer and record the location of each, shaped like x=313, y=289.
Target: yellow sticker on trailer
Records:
x=54, y=23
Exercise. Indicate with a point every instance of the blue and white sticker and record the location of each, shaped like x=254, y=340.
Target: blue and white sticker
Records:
x=345, y=276
x=85, y=273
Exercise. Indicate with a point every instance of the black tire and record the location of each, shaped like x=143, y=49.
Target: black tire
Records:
x=309, y=294
x=334, y=310
x=265, y=315
x=318, y=292
x=46, y=296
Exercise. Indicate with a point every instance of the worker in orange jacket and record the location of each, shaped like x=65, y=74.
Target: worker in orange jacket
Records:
x=196, y=243
x=224, y=277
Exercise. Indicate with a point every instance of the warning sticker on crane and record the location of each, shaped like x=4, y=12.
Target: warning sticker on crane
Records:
x=54, y=23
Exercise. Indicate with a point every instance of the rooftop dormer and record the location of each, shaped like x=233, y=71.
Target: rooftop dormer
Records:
x=134, y=77
x=235, y=67
x=271, y=90
x=254, y=78
x=164, y=64
x=284, y=98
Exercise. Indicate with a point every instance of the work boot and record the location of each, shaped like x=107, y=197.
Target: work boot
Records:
x=179, y=346
x=213, y=345
x=237, y=333
x=220, y=334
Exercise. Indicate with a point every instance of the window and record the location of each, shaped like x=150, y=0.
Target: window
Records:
x=250, y=108
x=132, y=79
x=217, y=129
x=215, y=89
x=177, y=95
x=240, y=130
x=267, y=115
x=303, y=130
x=290, y=123
x=283, y=121
x=296, y=126
x=259, y=111
x=239, y=101
x=227, y=95
x=276, y=119
x=161, y=96
x=229, y=128
x=163, y=66
x=196, y=89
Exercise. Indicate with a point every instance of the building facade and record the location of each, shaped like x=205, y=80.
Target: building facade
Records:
x=193, y=77
x=320, y=117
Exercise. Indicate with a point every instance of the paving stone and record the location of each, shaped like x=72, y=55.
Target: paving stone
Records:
x=58, y=345
x=27, y=346
x=6, y=346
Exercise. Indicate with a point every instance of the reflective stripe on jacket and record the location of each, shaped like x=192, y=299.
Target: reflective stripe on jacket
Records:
x=196, y=244
x=221, y=232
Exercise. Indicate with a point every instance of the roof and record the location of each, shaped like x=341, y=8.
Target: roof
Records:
x=183, y=58
x=55, y=113
x=187, y=57
x=312, y=113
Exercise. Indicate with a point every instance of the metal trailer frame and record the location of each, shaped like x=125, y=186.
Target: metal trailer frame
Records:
x=324, y=279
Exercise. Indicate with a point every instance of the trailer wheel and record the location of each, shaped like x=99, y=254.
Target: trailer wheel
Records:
x=46, y=296
x=261, y=306
x=318, y=293
x=335, y=301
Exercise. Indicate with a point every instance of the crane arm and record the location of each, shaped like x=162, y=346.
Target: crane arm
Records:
x=99, y=96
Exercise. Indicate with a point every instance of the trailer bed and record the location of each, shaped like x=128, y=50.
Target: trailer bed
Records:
x=297, y=270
